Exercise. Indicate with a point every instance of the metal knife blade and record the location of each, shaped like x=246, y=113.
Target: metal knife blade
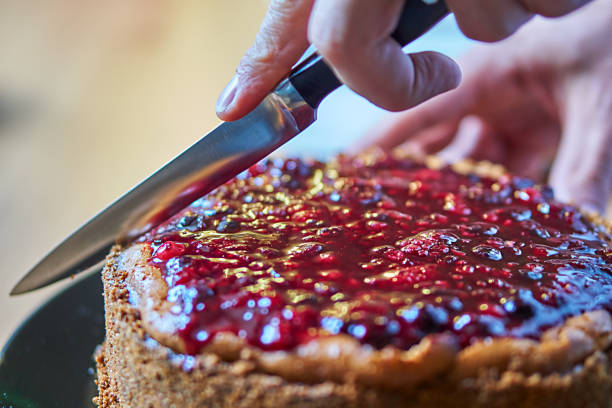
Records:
x=226, y=151
x=217, y=157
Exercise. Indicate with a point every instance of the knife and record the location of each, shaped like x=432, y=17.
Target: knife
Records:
x=214, y=159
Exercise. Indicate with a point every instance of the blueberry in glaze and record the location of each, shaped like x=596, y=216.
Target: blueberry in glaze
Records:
x=384, y=250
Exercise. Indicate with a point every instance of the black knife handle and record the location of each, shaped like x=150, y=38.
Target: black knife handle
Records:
x=314, y=80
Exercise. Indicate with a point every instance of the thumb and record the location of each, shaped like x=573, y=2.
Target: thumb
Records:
x=281, y=40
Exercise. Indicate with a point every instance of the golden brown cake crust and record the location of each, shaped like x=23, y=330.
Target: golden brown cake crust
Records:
x=140, y=366
x=136, y=371
x=340, y=358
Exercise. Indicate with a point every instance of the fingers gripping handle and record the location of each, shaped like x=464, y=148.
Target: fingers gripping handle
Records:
x=314, y=80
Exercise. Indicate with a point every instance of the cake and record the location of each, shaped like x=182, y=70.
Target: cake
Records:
x=367, y=281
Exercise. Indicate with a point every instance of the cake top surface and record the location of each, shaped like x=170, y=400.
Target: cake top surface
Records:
x=384, y=250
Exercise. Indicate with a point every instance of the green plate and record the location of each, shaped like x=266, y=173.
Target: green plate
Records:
x=48, y=360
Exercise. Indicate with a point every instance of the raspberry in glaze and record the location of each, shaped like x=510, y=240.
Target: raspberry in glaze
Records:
x=384, y=250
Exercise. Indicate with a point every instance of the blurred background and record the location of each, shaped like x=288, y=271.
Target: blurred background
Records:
x=95, y=95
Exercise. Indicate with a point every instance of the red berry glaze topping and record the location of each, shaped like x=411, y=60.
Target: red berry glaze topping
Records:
x=381, y=249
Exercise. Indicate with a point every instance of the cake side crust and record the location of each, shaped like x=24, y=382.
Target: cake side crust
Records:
x=341, y=358
x=139, y=371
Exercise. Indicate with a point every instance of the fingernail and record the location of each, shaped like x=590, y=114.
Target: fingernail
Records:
x=227, y=96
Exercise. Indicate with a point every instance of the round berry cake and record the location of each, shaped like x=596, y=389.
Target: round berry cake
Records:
x=368, y=281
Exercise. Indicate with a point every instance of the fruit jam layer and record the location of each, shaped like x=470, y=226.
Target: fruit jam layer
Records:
x=384, y=250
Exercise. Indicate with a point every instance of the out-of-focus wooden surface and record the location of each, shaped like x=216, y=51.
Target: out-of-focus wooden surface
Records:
x=93, y=97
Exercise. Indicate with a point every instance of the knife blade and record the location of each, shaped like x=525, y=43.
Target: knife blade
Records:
x=214, y=159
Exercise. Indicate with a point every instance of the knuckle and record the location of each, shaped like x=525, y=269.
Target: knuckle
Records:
x=333, y=43
x=261, y=54
x=283, y=27
x=287, y=11
x=266, y=51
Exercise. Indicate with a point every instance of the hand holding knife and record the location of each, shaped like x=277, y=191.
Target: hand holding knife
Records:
x=217, y=157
